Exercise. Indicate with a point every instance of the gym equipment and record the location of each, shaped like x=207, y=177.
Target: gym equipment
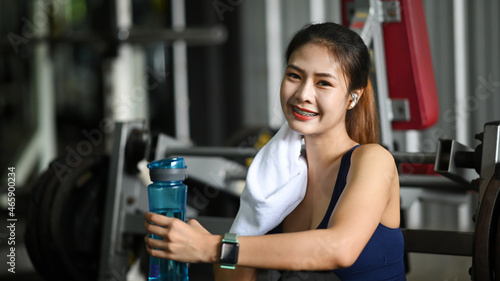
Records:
x=486, y=263
x=406, y=54
x=103, y=191
x=483, y=244
x=396, y=32
x=410, y=73
x=65, y=218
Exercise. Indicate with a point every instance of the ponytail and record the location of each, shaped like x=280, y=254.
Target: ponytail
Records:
x=362, y=121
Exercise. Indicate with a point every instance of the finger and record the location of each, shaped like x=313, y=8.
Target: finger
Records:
x=155, y=229
x=148, y=249
x=158, y=219
x=147, y=216
x=157, y=253
x=161, y=220
x=155, y=243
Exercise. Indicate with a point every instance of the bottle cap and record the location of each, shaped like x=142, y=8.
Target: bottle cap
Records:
x=170, y=169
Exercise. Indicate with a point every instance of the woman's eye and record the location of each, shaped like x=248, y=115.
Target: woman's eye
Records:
x=324, y=83
x=293, y=75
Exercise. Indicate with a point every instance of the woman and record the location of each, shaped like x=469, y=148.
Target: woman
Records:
x=347, y=223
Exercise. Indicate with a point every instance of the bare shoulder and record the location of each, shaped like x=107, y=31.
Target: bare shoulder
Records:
x=372, y=152
x=373, y=156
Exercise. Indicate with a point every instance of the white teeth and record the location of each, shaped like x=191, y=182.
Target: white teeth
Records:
x=304, y=113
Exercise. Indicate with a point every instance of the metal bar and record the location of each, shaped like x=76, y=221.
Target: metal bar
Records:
x=274, y=63
x=384, y=101
x=43, y=75
x=438, y=242
x=212, y=151
x=181, y=78
x=414, y=157
x=120, y=105
x=111, y=254
x=405, y=181
x=372, y=35
x=404, y=157
x=317, y=10
x=216, y=34
x=432, y=182
x=27, y=160
x=462, y=124
x=446, y=162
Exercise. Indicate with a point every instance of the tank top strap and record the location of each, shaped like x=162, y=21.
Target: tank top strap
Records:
x=345, y=164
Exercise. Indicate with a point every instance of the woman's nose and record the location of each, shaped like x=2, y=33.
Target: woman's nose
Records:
x=304, y=92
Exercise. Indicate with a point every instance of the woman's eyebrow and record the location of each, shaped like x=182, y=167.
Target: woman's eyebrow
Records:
x=292, y=66
x=319, y=74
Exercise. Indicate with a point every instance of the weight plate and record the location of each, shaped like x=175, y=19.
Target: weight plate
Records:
x=484, y=237
x=77, y=214
x=496, y=265
x=45, y=241
x=31, y=235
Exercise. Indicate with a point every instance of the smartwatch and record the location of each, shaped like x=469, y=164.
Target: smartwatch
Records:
x=229, y=251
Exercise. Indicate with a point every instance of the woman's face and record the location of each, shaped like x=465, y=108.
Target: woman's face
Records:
x=314, y=91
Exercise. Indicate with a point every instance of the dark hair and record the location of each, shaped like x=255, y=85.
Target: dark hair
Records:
x=354, y=60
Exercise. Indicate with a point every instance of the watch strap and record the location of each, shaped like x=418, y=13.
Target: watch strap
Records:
x=229, y=238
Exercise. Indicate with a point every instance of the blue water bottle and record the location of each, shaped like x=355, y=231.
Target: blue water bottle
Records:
x=167, y=196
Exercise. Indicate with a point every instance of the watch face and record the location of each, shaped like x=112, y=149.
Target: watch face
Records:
x=229, y=253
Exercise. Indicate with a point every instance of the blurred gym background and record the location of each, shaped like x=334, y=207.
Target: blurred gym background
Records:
x=207, y=72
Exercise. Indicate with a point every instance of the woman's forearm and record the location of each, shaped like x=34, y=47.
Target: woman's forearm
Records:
x=307, y=250
x=239, y=274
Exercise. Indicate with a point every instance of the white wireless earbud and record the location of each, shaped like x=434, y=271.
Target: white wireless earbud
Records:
x=354, y=99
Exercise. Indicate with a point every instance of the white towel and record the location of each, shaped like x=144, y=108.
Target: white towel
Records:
x=276, y=183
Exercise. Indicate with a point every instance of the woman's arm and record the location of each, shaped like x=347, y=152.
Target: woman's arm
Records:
x=240, y=273
x=358, y=213
x=308, y=250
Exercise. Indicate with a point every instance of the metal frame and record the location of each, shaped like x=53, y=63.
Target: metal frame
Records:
x=373, y=13
x=41, y=148
x=491, y=155
x=447, y=162
x=121, y=187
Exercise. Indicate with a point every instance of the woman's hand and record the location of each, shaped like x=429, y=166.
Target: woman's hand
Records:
x=181, y=241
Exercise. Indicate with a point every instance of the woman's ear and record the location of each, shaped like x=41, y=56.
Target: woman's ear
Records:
x=355, y=96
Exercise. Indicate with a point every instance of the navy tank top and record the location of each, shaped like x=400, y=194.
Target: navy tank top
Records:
x=382, y=257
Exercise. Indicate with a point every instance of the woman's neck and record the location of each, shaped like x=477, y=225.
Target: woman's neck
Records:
x=322, y=151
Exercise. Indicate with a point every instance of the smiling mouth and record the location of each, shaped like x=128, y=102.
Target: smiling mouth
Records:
x=303, y=112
